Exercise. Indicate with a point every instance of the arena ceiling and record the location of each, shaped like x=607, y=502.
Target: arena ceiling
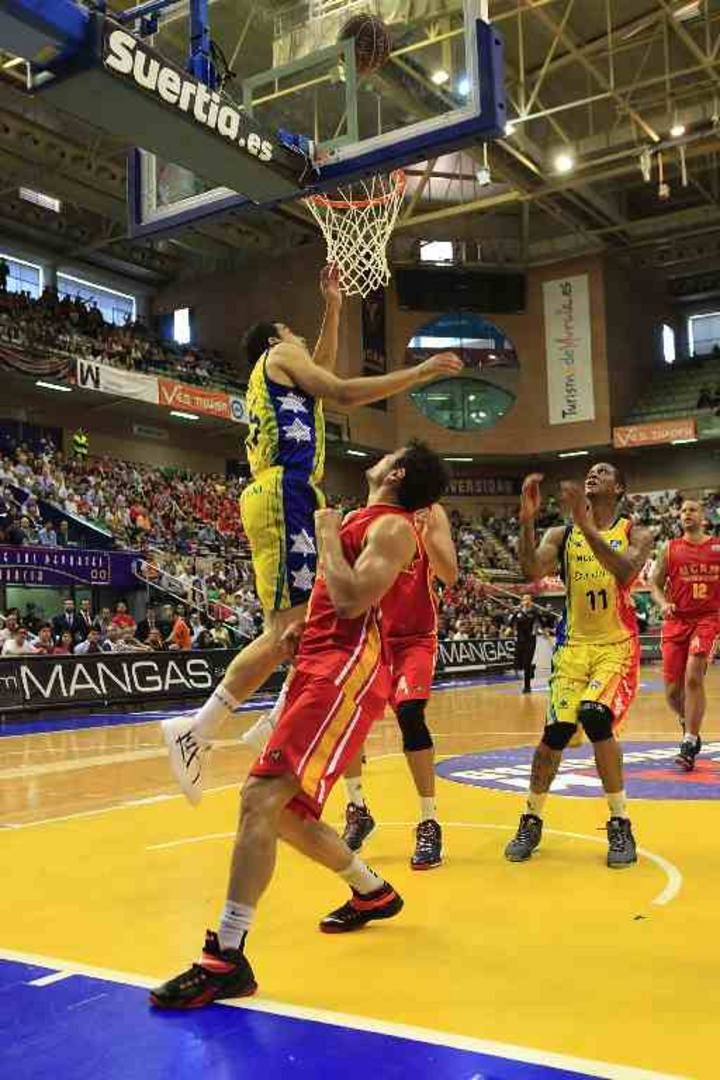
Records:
x=606, y=81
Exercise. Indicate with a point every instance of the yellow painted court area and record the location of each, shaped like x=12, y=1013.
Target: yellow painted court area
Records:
x=560, y=954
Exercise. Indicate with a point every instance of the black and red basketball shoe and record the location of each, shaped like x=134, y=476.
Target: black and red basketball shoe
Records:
x=221, y=973
x=361, y=909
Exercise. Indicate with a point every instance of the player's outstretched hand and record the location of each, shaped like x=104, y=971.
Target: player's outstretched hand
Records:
x=330, y=284
x=442, y=365
x=575, y=500
x=530, y=497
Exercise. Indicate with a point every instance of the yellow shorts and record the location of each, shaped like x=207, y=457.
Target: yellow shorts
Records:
x=277, y=509
x=604, y=673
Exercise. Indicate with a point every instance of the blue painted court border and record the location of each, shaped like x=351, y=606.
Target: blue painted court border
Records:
x=83, y=1027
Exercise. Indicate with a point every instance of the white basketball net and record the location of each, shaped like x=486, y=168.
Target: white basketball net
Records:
x=357, y=223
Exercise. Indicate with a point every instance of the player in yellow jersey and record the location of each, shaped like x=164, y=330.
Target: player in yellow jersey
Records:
x=595, y=664
x=286, y=452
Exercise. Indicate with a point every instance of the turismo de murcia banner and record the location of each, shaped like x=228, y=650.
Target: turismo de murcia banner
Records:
x=568, y=350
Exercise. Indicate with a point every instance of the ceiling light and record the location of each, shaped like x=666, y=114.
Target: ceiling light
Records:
x=184, y=415
x=682, y=442
x=574, y=453
x=357, y=453
x=53, y=386
x=48, y=202
x=458, y=459
x=677, y=130
x=482, y=175
x=463, y=86
x=509, y=128
x=564, y=161
x=439, y=77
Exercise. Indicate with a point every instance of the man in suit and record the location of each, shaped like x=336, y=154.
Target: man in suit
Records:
x=68, y=619
x=86, y=618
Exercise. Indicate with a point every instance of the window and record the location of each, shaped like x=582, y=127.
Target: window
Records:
x=463, y=404
x=486, y=390
x=668, y=341
x=181, y=326
x=704, y=333
x=436, y=251
x=115, y=307
x=23, y=276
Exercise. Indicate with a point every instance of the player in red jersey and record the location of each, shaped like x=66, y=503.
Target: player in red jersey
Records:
x=339, y=688
x=686, y=587
x=413, y=650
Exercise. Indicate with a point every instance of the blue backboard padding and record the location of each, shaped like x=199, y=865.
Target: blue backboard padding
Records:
x=83, y=1028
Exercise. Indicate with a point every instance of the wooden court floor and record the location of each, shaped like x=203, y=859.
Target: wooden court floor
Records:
x=105, y=866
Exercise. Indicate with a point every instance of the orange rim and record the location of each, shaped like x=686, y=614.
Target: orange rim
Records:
x=398, y=177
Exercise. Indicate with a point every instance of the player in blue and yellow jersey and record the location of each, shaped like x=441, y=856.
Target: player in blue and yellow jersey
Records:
x=286, y=453
x=595, y=664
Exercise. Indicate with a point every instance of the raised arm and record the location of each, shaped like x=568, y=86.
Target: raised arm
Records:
x=389, y=547
x=658, y=578
x=436, y=535
x=625, y=566
x=536, y=561
x=296, y=366
x=325, y=353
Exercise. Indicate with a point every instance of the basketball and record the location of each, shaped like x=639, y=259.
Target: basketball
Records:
x=372, y=41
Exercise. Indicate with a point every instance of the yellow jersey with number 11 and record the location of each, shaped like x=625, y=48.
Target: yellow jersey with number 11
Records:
x=598, y=609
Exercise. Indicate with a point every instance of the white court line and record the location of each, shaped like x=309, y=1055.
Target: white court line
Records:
x=671, y=890
x=48, y=980
x=130, y=804
x=601, y=1069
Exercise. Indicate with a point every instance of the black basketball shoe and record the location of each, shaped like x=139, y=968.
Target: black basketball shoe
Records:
x=526, y=839
x=362, y=909
x=689, y=750
x=428, y=846
x=621, y=843
x=221, y=973
x=359, y=825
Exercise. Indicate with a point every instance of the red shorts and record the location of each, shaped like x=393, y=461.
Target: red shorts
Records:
x=321, y=728
x=412, y=666
x=687, y=637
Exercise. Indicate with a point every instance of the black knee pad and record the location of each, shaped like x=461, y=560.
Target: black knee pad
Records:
x=558, y=735
x=597, y=720
x=415, y=732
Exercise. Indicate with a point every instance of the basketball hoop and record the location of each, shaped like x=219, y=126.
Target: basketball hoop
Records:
x=357, y=223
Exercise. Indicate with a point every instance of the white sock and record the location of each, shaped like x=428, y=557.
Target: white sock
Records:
x=360, y=877
x=618, y=804
x=235, y=922
x=428, y=808
x=535, y=803
x=688, y=737
x=218, y=707
x=353, y=786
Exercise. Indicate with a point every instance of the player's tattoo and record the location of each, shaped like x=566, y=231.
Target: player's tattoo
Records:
x=545, y=764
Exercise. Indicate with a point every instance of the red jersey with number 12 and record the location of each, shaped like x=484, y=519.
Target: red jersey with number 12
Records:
x=693, y=575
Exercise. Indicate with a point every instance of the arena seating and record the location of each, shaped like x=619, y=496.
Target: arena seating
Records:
x=46, y=336
x=678, y=391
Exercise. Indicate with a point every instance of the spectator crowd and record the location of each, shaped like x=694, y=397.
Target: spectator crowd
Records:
x=143, y=506
x=75, y=631
x=187, y=530
x=51, y=333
